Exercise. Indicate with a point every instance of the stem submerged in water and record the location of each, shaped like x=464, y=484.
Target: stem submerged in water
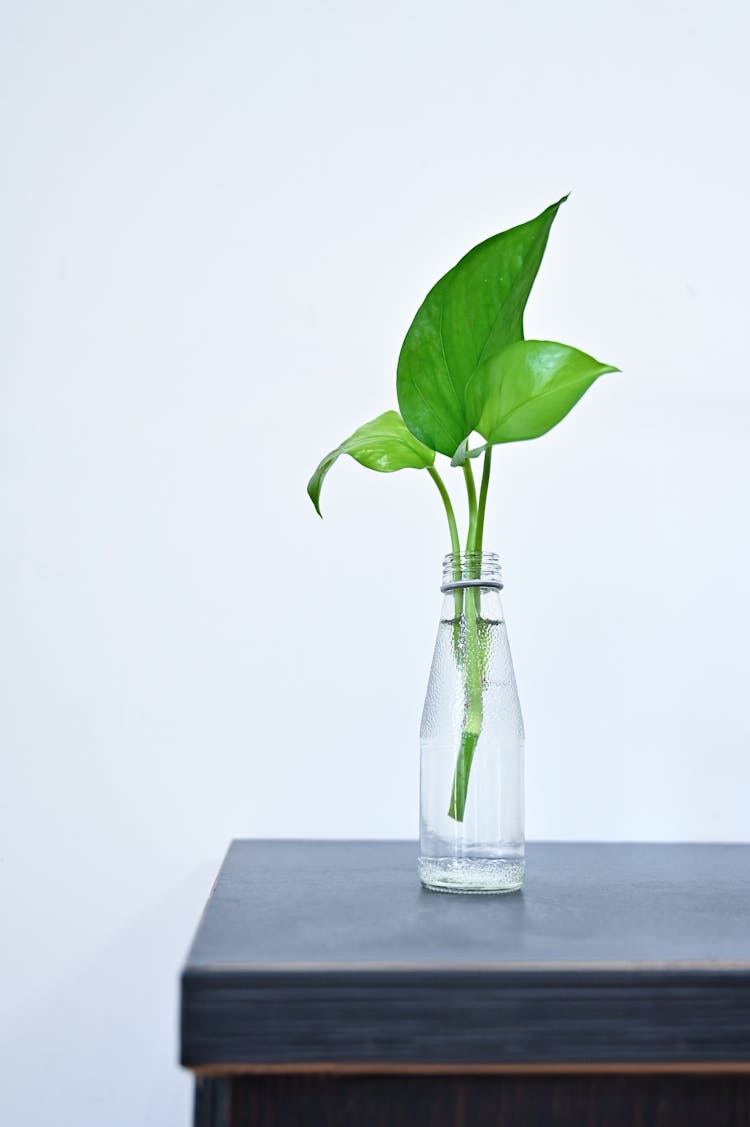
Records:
x=472, y=722
x=467, y=604
x=471, y=658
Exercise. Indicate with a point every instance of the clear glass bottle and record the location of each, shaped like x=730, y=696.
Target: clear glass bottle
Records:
x=471, y=784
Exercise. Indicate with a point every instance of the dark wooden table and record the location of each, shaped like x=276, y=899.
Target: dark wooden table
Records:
x=325, y=988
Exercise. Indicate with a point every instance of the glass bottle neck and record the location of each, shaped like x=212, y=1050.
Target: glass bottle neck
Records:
x=471, y=569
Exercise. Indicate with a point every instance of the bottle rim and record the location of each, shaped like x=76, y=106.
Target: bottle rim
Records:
x=471, y=569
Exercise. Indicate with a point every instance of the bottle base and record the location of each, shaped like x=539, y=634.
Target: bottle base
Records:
x=472, y=875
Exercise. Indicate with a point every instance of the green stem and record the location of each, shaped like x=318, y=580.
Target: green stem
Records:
x=455, y=542
x=472, y=496
x=483, y=489
x=472, y=673
x=455, y=549
x=472, y=722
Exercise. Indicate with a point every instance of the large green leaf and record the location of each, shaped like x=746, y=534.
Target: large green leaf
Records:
x=528, y=388
x=472, y=313
x=384, y=444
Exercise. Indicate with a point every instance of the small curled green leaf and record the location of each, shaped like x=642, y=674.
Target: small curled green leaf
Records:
x=463, y=453
x=384, y=444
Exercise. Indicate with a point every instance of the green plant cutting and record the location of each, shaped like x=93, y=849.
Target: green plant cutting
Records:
x=466, y=369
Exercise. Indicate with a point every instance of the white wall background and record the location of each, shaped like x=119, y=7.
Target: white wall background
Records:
x=217, y=222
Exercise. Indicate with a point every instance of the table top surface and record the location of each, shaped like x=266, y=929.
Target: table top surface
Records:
x=324, y=904
x=330, y=953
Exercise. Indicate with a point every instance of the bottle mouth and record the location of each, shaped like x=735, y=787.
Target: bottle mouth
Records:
x=471, y=569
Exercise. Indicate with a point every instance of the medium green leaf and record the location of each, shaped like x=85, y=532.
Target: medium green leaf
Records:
x=384, y=444
x=529, y=387
x=473, y=312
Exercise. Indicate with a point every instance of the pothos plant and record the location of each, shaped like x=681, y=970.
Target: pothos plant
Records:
x=466, y=368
